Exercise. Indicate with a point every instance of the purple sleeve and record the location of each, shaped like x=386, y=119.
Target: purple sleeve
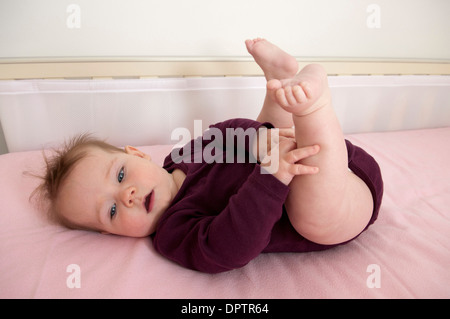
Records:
x=230, y=239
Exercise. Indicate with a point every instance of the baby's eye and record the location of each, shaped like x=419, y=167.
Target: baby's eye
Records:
x=121, y=175
x=113, y=211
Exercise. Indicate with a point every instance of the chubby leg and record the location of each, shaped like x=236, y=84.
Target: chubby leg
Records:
x=333, y=205
x=276, y=64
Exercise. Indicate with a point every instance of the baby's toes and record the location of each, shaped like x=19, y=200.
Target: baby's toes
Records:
x=307, y=88
x=299, y=94
x=281, y=97
x=290, y=98
x=273, y=85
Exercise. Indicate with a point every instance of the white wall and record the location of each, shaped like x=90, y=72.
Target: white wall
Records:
x=415, y=29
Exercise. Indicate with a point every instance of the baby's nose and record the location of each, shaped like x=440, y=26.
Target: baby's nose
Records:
x=128, y=196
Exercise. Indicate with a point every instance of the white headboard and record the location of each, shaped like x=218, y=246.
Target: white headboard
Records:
x=42, y=113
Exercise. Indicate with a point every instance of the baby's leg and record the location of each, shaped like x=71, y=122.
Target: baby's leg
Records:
x=333, y=205
x=276, y=64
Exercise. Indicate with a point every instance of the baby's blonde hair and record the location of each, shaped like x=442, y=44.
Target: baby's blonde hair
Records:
x=58, y=168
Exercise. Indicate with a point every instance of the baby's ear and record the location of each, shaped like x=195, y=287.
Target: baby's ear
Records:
x=134, y=151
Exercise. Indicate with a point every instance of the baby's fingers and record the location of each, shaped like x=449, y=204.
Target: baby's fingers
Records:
x=299, y=169
x=287, y=132
x=302, y=153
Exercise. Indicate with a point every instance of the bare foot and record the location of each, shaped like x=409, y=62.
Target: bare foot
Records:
x=275, y=63
x=304, y=93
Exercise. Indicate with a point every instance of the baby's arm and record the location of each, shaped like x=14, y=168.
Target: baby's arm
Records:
x=229, y=239
x=218, y=238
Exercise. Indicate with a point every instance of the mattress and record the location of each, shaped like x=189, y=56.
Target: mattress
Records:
x=405, y=254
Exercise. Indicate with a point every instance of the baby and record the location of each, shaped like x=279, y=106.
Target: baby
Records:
x=217, y=216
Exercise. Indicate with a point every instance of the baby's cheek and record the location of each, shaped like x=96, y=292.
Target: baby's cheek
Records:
x=135, y=226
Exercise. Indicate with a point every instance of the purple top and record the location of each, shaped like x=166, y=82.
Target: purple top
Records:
x=225, y=214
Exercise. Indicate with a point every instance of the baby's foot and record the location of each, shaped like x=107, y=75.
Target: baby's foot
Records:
x=303, y=94
x=275, y=63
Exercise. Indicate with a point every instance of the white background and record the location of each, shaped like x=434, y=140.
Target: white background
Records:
x=395, y=29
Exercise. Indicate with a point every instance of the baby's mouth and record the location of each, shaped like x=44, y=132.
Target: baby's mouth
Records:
x=149, y=202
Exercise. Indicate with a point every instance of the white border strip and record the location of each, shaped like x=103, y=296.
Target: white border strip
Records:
x=144, y=69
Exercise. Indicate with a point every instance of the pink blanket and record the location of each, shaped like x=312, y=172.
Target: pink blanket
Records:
x=405, y=254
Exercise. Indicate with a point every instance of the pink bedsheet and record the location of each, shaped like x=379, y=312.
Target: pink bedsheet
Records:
x=405, y=254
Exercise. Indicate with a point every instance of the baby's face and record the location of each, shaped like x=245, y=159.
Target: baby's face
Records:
x=117, y=193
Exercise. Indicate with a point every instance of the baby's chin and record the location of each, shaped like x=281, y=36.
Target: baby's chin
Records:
x=132, y=234
x=151, y=229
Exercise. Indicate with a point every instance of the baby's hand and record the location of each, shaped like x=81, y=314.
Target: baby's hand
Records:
x=288, y=157
x=266, y=140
